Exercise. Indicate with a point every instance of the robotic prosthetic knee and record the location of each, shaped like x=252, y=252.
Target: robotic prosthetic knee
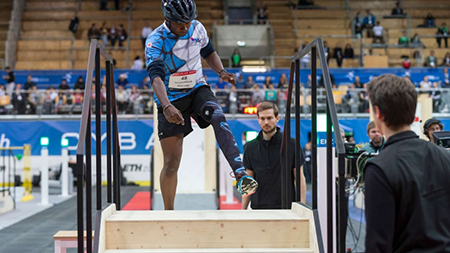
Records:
x=212, y=112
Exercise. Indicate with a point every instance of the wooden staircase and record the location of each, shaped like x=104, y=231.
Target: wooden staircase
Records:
x=208, y=231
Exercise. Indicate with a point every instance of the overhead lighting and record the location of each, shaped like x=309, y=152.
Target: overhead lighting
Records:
x=254, y=69
x=64, y=142
x=44, y=141
x=241, y=43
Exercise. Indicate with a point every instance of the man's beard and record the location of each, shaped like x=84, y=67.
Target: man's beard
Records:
x=270, y=131
x=377, y=141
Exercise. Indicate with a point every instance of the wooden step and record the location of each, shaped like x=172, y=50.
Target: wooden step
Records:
x=212, y=251
x=206, y=229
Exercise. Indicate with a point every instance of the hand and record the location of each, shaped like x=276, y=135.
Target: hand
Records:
x=228, y=77
x=173, y=115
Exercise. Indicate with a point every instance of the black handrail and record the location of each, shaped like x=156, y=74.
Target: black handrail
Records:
x=83, y=171
x=315, y=47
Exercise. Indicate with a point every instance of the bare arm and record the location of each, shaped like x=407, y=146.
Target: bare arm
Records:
x=246, y=200
x=215, y=63
x=302, y=184
x=172, y=114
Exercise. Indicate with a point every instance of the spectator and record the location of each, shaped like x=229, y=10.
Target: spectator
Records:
x=378, y=33
x=397, y=10
x=114, y=60
x=283, y=83
x=307, y=166
x=10, y=81
x=359, y=23
x=327, y=51
x=79, y=84
x=233, y=101
x=415, y=41
x=338, y=54
x=446, y=61
x=146, y=31
x=63, y=86
x=236, y=59
x=357, y=83
x=122, y=99
x=122, y=35
x=348, y=53
x=406, y=63
x=305, y=61
x=271, y=94
x=104, y=34
x=403, y=40
x=19, y=100
x=425, y=84
x=137, y=64
x=113, y=35
x=2, y=90
x=431, y=60
x=60, y=100
x=135, y=99
x=145, y=83
x=123, y=81
x=93, y=32
x=435, y=94
x=48, y=100
x=258, y=95
x=74, y=23
x=442, y=33
x=446, y=78
x=221, y=84
x=29, y=84
x=429, y=21
x=250, y=82
x=376, y=143
x=308, y=83
x=363, y=100
x=33, y=99
x=369, y=22
x=240, y=83
x=77, y=100
x=262, y=14
x=267, y=82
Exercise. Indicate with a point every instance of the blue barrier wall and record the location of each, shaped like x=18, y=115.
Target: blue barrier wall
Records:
x=136, y=135
x=53, y=77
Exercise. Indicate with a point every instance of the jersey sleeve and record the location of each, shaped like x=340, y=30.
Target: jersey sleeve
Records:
x=153, y=49
x=203, y=35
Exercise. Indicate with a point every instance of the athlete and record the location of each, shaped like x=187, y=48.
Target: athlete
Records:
x=172, y=53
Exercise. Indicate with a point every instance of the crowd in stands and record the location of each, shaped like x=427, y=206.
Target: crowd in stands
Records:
x=108, y=35
x=138, y=98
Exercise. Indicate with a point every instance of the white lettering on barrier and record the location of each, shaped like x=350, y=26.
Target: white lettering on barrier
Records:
x=4, y=142
x=71, y=135
x=127, y=141
x=127, y=138
x=151, y=142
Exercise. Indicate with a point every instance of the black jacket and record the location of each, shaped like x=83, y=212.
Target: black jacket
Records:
x=263, y=157
x=408, y=197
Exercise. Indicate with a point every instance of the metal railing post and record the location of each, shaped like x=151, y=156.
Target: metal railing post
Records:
x=108, y=131
x=297, y=132
x=314, y=126
x=98, y=129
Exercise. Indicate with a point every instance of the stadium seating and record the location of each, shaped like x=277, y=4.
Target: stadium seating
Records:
x=5, y=15
x=48, y=21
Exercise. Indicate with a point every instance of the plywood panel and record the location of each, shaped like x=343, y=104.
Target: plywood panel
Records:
x=208, y=234
x=225, y=250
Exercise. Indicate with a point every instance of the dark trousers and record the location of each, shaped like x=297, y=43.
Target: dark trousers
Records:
x=439, y=39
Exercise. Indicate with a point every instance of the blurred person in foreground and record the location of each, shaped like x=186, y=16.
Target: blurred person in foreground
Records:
x=408, y=184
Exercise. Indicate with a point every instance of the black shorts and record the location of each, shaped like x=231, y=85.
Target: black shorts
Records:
x=189, y=106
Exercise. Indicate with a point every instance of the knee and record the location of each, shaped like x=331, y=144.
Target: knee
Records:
x=213, y=113
x=171, y=165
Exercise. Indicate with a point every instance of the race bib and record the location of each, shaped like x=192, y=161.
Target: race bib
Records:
x=183, y=80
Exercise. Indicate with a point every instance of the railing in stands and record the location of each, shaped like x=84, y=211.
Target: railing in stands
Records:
x=84, y=147
x=15, y=26
x=316, y=47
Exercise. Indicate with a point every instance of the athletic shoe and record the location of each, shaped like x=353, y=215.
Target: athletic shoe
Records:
x=246, y=185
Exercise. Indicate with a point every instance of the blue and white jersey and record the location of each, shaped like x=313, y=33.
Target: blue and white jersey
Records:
x=180, y=54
